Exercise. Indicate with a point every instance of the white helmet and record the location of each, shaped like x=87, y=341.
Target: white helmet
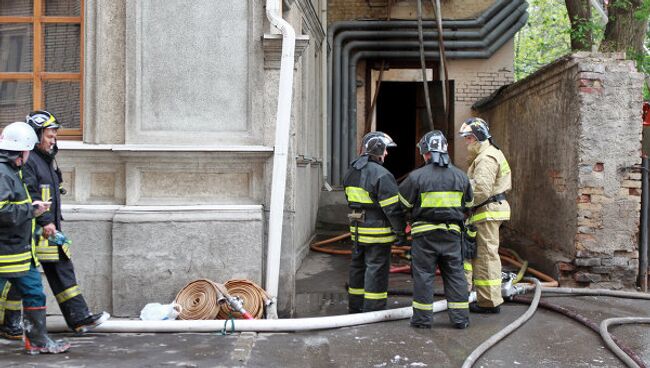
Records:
x=18, y=137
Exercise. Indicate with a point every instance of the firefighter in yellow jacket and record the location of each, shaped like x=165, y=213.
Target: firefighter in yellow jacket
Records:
x=489, y=174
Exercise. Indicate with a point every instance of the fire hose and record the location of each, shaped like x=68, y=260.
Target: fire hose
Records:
x=207, y=300
x=253, y=298
x=615, y=343
x=198, y=300
x=318, y=246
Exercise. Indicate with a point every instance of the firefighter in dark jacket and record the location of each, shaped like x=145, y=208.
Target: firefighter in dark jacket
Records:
x=43, y=180
x=437, y=196
x=376, y=222
x=17, y=259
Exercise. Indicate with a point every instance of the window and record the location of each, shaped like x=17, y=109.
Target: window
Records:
x=41, y=61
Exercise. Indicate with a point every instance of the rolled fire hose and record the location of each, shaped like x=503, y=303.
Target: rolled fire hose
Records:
x=198, y=300
x=252, y=295
x=622, y=355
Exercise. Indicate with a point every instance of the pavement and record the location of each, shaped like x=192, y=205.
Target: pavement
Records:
x=546, y=340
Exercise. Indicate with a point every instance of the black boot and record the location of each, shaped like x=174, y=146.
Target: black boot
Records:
x=36, y=339
x=91, y=322
x=12, y=329
x=475, y=308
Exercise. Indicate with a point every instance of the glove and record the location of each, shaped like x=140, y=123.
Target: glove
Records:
x=402, y=240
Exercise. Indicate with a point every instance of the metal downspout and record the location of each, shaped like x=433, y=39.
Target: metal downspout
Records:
x=279, y=178
x=643, y=251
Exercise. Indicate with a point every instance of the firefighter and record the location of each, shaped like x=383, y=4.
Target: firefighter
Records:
x=17, y=260
x=489, y=174
x=376, y=222
x=437, y=196
x=43, y=179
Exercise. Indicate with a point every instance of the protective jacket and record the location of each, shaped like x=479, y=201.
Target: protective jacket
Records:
x=16, y=222
x=437, y=198
x=490, y=176
x=43, y=180
x=370, y=188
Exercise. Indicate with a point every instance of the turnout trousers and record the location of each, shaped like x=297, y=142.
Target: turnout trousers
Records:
x=441, y=248
x=368, y=281
x=486, y=267
x=16, y=292
x=63, y=282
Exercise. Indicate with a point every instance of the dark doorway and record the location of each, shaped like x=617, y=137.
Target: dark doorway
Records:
x=401, y=113
x=397, y=117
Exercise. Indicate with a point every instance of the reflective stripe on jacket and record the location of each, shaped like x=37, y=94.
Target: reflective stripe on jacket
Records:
x=16, y=222
x=490, y=174
x=373, y=189
x=437, y=198
x=40, y=170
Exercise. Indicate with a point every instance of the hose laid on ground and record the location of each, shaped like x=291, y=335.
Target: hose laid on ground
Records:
x=583, y=320
x=198, y=300
x=487, y=344
x=258, y=325
x=318, y=246
x=595, y=292
x=624, y=356
x=252, y=295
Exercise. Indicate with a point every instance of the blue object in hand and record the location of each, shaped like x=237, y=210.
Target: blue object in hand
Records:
x=58, y=238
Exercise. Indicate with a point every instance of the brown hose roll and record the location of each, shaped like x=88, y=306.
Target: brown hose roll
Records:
x=198, y=300
x=252, y=295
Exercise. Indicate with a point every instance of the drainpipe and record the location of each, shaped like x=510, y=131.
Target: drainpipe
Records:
x=279, y=178
x=643, y=252
x=325, y=91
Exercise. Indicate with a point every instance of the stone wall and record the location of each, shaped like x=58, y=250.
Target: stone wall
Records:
x=571, y=133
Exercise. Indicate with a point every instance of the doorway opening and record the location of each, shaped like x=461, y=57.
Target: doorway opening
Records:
x=402, y=114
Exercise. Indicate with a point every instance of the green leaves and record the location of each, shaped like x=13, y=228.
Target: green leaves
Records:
x=545, y=38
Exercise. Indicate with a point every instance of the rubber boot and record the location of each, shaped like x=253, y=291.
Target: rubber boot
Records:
x=12, y=329
x=36, y=339
x=91, y=322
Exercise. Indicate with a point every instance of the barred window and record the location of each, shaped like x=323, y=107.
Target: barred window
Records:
x=41, y=61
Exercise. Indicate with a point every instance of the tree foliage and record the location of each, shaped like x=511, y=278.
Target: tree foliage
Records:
x=546, y=36
x=558, y=27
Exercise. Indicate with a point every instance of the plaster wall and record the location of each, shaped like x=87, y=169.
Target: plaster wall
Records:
x=173, y=177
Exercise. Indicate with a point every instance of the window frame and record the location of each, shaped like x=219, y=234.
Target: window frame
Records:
x=38, y=75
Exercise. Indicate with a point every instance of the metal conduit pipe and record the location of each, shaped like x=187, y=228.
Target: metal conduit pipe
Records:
x=350, y=122
x=258, y=325
x=336, y=40
x=339, y=105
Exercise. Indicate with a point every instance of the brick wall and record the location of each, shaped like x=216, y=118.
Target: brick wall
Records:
x=477, y=85
x=571, y=133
